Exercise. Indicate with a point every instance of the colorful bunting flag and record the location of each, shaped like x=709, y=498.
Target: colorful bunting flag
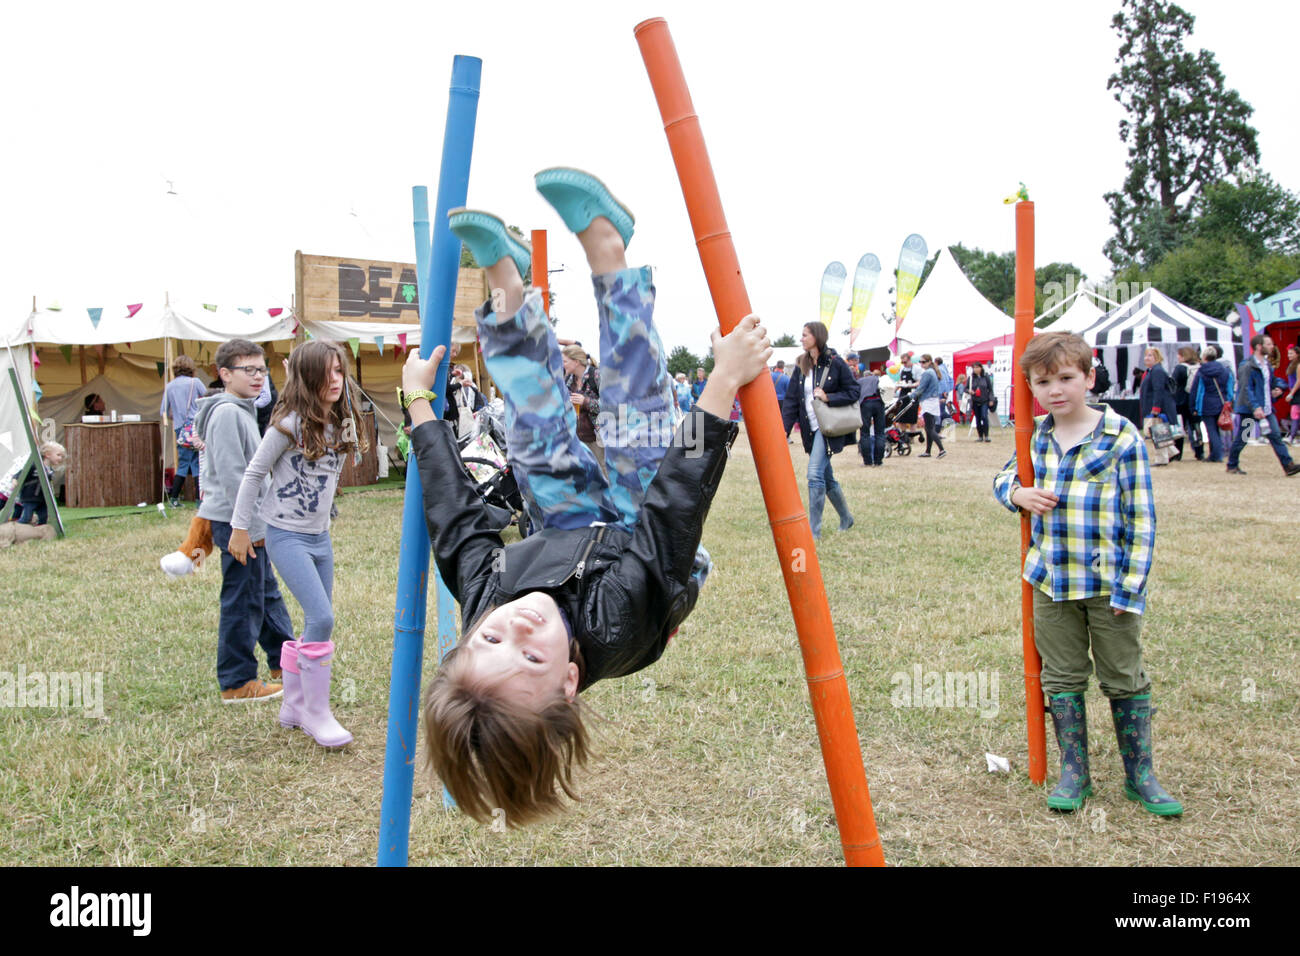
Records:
x=161, y=368
x=864, y=284
x=911, y=263
x=36, y=360
x=95, y=315
x=66, y=352
x=54, y=307
x=245, y=311
x=274, y=313
x=131, y=310
x=832, y=286
x=401, y=341
x=379, y=341
x=210, y=307
x=355, y=346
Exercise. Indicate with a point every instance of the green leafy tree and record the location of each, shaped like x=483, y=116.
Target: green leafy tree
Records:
x=682, y=359
x=1256, y=212
x=786, y=341
x=1185, y=129
x=1211, y=273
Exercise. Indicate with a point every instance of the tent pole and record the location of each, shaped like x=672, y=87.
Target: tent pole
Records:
x=81, y=361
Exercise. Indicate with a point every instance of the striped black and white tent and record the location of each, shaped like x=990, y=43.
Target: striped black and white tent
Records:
x=1151, y=318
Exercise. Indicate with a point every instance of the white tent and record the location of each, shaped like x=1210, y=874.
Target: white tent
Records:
x=949, y=313
x=1151, y=318
x=1079, y=316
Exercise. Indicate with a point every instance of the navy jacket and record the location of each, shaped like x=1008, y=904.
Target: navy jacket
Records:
x=1205, y=399
x=1156, y=393
x=841, y=388
x=1252, y=389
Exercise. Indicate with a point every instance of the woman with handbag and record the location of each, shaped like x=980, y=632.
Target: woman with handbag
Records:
x=1157, y=402
x=1207, y=395
x=822, y=398
x=583, y=382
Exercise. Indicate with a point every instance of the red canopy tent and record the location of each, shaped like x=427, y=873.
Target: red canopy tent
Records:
x=981, y=352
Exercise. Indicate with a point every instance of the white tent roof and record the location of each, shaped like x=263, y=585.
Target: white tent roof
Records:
x=73, y=326
x=1152, y=318
x=949, y=314
x=1081, y=314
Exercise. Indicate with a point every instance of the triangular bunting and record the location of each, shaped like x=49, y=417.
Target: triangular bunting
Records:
x=401, y=340
x=161, y=368
x=245, y=311
x=209, y=306
x=355, y=345
x=36, y=391
x=66, y=352
x=95, y=315
x=379, y=341
x=54, y=307
x=131, y=310
x=36, y=360
x=274, y=313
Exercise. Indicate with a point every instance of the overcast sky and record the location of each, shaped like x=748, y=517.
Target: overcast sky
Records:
x=835, y=129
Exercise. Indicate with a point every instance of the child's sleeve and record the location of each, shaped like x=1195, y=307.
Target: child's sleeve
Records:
x=460, y=532
x=274, y=444
x=1137, y=506
x=1006, y=483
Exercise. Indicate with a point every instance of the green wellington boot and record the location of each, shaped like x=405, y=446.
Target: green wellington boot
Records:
x=1070, y=719
x=1133, y=731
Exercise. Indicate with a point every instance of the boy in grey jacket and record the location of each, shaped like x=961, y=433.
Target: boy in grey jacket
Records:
x=252, y=609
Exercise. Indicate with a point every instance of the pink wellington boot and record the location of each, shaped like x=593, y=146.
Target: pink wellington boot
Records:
x=314, y=674
x=291, y=707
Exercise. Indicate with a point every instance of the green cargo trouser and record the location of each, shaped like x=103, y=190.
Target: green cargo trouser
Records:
x=1063, y=631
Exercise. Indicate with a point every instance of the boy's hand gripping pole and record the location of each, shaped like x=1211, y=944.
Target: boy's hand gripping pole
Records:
x=1023, y=406
x=832, y=709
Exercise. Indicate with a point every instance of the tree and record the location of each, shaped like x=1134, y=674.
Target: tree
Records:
x=1184, y=129
x=786, y=341
x=682, y=359
x=1256, y=212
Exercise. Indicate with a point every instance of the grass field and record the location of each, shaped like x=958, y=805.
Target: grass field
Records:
x=710, y=756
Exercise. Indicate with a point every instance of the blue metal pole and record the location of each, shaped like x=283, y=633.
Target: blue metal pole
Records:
x=442, y=262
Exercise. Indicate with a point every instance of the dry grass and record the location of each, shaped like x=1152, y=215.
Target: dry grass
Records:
x=710, y=756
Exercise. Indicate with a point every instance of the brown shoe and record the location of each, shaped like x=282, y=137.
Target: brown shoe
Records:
x=253, y=690
x=276, y=673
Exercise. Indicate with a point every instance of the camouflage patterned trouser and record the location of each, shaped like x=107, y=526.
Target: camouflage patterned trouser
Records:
x=561, y=481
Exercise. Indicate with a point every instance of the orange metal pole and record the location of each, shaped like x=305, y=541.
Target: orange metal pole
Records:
x=541, y=278
x=1024, y=409
x=832, y=710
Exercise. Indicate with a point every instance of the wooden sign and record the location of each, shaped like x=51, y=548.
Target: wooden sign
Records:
x=331, y=289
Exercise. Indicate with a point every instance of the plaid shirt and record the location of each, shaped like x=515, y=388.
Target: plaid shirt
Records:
x=1100, y=536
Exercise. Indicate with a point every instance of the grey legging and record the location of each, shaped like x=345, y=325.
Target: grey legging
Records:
x=306, y=563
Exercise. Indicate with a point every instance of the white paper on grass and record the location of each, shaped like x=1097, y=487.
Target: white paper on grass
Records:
x=998, y=764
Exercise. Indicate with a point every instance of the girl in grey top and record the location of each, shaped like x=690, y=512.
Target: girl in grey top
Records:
x=312, y=428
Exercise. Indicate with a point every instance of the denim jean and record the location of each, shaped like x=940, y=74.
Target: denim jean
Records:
x=819, y=464
x=1215, y=438
x=980, y=410
x=252, y=612
x=1274, y=437
x=872, y=446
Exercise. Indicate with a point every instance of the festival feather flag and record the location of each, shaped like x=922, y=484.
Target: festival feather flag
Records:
x=95, y=315
x=379, y=342
x=911, y=263
x=864, y=284
x=131, y=310
x=832, y=286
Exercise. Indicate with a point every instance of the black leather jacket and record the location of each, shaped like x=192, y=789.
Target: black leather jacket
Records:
x=624, y=592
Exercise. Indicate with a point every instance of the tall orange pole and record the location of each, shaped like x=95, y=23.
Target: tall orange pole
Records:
x=1024, y=409
x=541, y=278
x=832, y=710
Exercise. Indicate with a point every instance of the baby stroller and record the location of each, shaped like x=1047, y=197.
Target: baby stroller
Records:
x=482, y=454
x=897, y=441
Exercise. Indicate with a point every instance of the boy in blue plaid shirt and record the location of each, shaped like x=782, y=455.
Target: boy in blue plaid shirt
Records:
x=1093, y=528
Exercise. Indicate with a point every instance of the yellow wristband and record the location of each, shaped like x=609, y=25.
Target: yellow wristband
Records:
x=409, y=397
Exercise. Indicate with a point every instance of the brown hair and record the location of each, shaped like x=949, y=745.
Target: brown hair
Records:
x=227, y=352
x=1189, y=354
x=309, y=366
x=1053, y=350
x=820, y=335
x=183, y=365
x=492, y=753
